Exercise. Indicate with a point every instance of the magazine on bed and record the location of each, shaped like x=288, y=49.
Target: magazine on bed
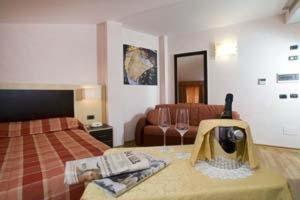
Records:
x=117, y=185
x=92, y=168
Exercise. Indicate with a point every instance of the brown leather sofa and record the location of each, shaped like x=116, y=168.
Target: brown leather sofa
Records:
x=148, y=133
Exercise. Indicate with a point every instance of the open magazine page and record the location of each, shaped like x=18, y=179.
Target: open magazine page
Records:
x=117, y=185
x=128, y=161
x=82, y=170
x=88, y=169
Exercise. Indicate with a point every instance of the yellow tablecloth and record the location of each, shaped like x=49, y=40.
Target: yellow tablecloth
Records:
x=181, y=181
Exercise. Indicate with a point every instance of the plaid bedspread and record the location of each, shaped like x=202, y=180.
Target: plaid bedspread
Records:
x=32, y=166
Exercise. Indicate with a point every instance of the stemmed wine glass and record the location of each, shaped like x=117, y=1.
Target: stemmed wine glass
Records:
x=164, y=122
x=182, y=126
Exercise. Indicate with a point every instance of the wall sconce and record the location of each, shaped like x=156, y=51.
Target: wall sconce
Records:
x=226, y=48
x=88, y=94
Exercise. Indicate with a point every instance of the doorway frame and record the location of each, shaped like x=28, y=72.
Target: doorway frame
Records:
x=176, y=56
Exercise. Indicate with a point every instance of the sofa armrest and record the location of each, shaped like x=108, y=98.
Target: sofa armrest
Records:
x=139, y=131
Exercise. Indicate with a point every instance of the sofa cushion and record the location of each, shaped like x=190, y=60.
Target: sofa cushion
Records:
x=155, y=130
x=153, y=136
x=172, y=108
x=152, y=117
x=206, y=112
x=197, y=112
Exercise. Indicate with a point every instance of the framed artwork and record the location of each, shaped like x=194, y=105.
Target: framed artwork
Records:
x=139, y=65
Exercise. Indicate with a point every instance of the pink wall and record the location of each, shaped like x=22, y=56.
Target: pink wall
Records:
x=48, y=53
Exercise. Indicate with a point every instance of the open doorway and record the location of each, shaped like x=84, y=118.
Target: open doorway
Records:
x=191, y=77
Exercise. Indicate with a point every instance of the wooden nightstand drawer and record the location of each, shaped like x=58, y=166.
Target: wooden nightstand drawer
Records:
x=103, y=134
x=108, y=142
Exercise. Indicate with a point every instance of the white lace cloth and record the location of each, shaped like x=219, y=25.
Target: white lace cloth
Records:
x=183, y=155
x=223, y=170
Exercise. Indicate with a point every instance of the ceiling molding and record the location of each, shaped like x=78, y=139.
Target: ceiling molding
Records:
x=156, y=17
x=292, y=12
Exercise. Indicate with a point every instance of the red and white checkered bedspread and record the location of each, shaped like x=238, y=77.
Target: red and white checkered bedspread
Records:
x=32, y=165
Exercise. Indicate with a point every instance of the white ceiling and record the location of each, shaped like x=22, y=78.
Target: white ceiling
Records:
x=153, y=16
x=293, y=14
x=73, y=11
x=196, y=15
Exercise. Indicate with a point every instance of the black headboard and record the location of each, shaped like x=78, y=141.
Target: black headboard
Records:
x=22, y=105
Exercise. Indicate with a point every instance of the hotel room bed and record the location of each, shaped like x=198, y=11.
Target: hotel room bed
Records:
x=33, y=154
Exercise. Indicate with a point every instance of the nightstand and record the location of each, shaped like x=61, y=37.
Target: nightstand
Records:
x=103, y=133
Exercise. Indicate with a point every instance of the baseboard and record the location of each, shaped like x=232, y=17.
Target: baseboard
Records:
x=277, y=146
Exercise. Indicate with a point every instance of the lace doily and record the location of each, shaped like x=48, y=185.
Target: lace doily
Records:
x=183, y=155
x=223, y=168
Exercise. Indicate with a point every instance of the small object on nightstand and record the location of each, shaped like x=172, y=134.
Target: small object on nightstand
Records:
x=102, y=133
x=90, y=117
x=96, y=124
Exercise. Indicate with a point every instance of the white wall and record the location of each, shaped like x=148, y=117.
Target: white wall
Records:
x=164, y=69
x=109, y=42
x=125, y=103
x=48, y=53
x=263, y=50
x=138, y=98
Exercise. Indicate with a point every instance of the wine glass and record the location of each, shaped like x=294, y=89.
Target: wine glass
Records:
x=164, y=122
x=182, y=126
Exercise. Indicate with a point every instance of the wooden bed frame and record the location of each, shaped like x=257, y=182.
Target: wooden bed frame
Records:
x=22, y=105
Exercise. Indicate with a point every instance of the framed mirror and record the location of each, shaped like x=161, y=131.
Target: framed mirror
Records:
x=190, y=71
